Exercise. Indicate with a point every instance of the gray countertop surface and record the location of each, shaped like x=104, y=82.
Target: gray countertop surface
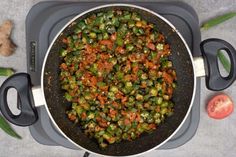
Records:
x=213, y=138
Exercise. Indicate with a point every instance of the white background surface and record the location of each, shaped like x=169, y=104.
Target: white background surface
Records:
x=213, y=138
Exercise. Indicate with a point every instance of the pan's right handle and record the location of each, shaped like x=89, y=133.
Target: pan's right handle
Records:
x=22, y=83
x=214, y=80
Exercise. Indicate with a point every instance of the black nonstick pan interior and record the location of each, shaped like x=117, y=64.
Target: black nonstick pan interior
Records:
x=183, y=94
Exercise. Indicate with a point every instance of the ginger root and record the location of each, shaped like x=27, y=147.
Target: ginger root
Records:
x=7, y=47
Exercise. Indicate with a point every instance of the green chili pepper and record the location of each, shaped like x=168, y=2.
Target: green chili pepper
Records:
x=217, y=20
x=6, y=71
x=224, y=61
x=7, y=128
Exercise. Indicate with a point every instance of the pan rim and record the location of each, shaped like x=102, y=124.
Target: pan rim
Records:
x=114, y=5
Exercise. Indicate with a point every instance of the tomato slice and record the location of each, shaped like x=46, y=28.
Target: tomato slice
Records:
x=220, y=106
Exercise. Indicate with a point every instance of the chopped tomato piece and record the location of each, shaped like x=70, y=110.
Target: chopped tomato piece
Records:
x=120, y=50
x=220, y=106
x=113, y=37
x=72, y=117
x=151, y=46
x=108, y=43
x=167, y=77
x=64, y=66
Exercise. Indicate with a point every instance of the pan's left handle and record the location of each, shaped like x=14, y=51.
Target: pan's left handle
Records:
x=214, y=80
x=22, y=83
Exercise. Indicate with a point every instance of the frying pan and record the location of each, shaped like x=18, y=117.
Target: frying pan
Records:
x=51, y=95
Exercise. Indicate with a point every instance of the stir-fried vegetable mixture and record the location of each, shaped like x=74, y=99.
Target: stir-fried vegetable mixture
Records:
x=117, y=76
